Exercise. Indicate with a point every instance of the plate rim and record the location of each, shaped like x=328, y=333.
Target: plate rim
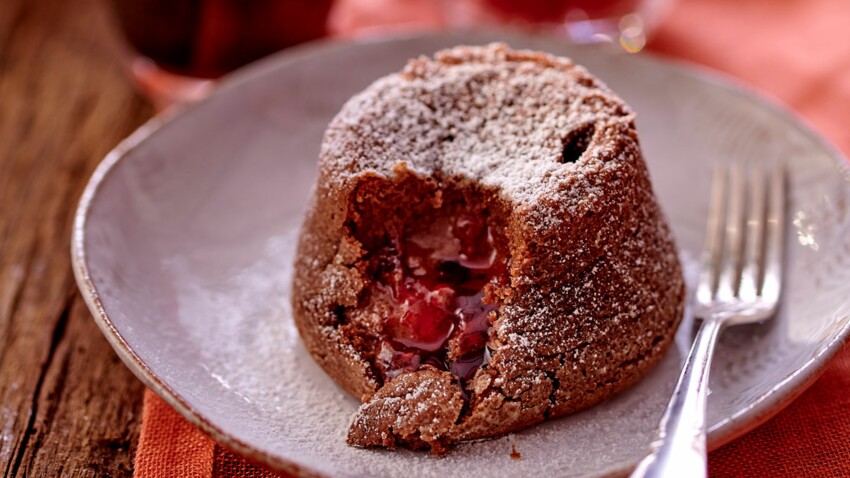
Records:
x=755, y=414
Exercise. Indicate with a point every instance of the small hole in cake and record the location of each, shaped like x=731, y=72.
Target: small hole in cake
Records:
x=339, y=313
x=576, y=143
x=586, y=81
x=449, y=138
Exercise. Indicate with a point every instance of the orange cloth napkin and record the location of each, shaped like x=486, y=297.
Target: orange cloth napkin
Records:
x=793, y=50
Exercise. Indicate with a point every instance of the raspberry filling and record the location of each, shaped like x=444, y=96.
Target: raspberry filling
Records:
x=434, y=282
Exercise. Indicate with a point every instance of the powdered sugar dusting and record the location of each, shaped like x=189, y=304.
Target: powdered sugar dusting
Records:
x=496, y=116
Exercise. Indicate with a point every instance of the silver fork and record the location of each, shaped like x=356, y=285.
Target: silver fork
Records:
x=740, y=283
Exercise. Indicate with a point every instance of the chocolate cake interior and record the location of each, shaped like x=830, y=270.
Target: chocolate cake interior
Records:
x=435, y=256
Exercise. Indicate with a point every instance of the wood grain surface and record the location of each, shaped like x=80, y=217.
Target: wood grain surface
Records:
x=68, y=406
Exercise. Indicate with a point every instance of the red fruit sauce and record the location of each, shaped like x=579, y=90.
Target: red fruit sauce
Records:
x=435, y=281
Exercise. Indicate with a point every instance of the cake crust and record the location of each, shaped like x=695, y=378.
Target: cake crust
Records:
x=593, y=289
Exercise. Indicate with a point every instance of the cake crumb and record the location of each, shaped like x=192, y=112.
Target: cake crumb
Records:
x=515, y=455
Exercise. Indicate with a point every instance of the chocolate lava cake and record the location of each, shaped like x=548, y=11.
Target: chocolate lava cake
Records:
x=483, y=250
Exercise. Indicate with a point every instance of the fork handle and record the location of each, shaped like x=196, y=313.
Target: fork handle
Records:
x=679, y=447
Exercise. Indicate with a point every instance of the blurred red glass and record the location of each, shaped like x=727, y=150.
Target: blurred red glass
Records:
x=626, y=22
x=557, y=10
x=177, y=43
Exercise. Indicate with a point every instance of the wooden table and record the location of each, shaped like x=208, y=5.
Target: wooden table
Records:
x=68, y=406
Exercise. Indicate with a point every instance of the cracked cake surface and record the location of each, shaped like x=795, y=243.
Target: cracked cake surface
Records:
x=483, y=249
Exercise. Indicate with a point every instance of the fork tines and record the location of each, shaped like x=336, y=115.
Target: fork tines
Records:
x=742, y=259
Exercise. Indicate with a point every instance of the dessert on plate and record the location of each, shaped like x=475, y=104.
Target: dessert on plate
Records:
x=483, y=250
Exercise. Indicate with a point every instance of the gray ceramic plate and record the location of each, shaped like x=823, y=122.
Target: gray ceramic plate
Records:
x=184, y=239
